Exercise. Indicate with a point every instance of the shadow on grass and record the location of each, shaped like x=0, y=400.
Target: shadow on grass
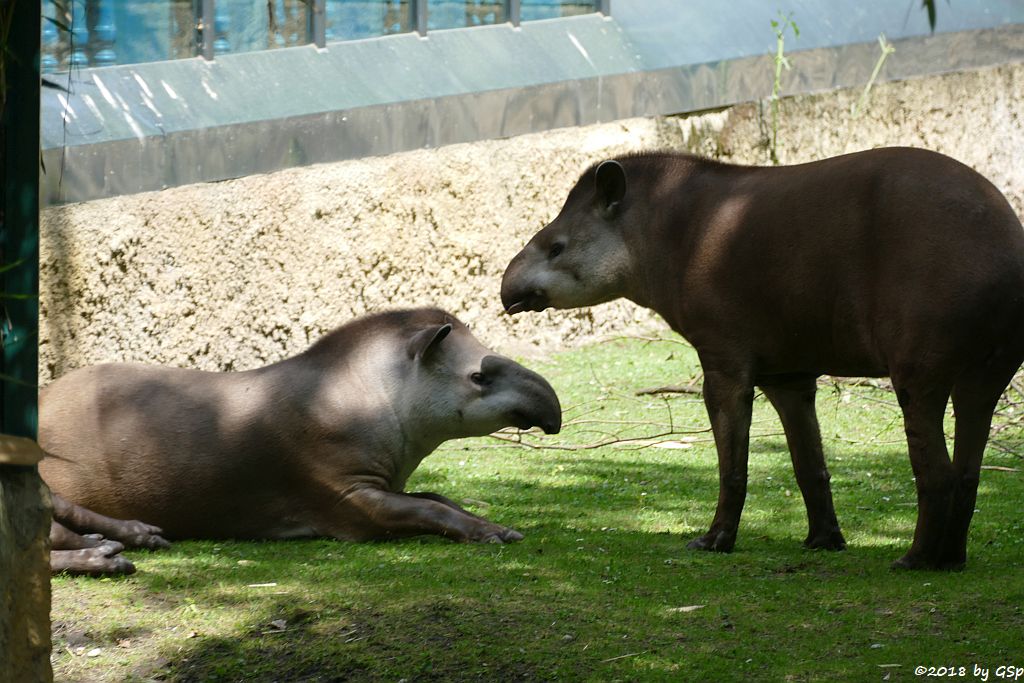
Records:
x=589, y=605
x=598, y=590
x=589, y=584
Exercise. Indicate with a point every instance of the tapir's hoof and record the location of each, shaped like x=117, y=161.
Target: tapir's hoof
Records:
x=511, y=536
x=136, y=534
x=501, y=535
x=715, y=541
x=103, y=560
x=827, y=540
x=506, y=536
x=916, y=561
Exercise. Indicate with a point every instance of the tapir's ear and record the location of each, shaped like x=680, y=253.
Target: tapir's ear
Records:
x=610, y=179
x=425, y=342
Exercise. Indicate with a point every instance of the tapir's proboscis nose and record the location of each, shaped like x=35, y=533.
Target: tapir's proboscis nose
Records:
x=534, y=403
x=517, y=293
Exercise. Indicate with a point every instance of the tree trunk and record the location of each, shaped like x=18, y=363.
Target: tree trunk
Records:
x=24, y=565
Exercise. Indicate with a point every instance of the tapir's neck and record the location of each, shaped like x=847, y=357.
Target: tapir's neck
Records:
x=649, y=269
x=638, y=286
x=408, y=459
x=671, y=231
x=359, y=400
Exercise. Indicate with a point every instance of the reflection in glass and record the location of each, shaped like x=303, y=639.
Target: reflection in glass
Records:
x=248, y=25
x=460, y=13
x=553, y=9
x=89, y=33
x=354, y=19
x=84, y=33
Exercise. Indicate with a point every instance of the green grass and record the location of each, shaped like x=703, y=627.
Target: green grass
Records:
x=594, y=591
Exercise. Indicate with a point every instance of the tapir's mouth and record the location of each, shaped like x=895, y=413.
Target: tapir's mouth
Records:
x=523, y=421
x=535, y=301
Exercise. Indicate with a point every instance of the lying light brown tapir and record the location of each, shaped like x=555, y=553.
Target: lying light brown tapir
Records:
x=893, y=262
x=320, y=444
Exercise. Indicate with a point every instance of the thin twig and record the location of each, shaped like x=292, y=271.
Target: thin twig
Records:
x=631, y=654
x=572, y=423
x=597, y=444
x=671, y=389
x=637, y=442
x=646, y=340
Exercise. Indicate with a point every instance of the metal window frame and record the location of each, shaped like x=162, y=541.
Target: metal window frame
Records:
x=209, y=34
x=149, y=126
x=318, y=20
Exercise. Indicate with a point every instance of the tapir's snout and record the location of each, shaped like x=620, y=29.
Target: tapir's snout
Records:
x=526, y=397
x=518, y=294
x=534, y=300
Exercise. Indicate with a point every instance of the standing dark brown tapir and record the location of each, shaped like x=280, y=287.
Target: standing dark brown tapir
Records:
x=320, y=444
x=892, y=262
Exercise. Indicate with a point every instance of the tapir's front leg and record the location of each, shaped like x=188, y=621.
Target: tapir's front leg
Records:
x=794, y=401
x=452, y=504
x=729, y=401
x=374, y=513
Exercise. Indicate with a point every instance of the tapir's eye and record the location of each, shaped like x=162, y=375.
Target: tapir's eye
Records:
x=480, y=379
x=556, y=249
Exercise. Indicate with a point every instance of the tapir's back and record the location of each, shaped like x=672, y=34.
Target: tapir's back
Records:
x=950, y=254
x=137, y=441
x=829, y=266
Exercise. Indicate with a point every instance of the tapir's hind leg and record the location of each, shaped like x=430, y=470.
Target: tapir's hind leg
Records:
x=75, y=551
x=923, y=397
x=130, y=532
x=794, y=401
x=103, y=560
x=63, y=538
x=88, y=554
x=975, y=396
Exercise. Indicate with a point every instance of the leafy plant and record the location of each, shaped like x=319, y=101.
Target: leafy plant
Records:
x=929, y=7
x=784, y=23
x=861, y=104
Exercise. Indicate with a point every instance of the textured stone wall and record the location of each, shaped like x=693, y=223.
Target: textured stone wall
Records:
x=24, y=576
x=976, y=117
x=237, y=274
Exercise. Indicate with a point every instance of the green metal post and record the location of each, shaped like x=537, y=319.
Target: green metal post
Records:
x=19, y=224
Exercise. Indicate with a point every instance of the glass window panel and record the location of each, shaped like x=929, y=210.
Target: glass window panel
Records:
x=85, y=33
x=460, y=13
x=354, y=19
x=247, y=25
x=552, y=9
